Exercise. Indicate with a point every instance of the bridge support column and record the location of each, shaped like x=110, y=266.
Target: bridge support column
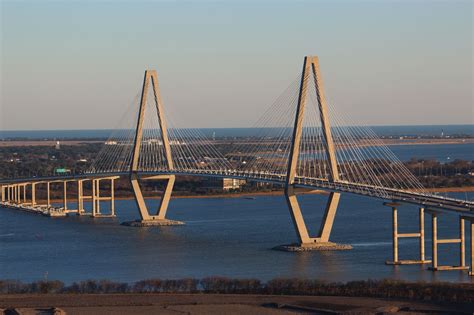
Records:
x=48, y=195
x=65, y=195
x=65, y=199
x=24, y=193
x=112, y=197
x=80, y=197
x=96, y=198
x=160, y=217
x=17, y=194
x=471, y=223
x=435, y=242
x=396, y=236
x=3, y=193
x=33, y=194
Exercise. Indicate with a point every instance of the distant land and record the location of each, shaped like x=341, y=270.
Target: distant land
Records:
x=382, y=131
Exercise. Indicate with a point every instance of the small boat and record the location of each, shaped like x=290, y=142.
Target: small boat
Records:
x=250, y=198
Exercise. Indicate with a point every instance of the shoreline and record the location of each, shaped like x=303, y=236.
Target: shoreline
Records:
x=229, y=195
x=269, y=193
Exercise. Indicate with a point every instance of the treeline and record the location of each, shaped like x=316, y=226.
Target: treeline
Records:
x=30, y=161
x=434, y=174
x=441, y=292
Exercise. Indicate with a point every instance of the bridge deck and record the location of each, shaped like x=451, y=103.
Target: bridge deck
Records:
x=432, y=201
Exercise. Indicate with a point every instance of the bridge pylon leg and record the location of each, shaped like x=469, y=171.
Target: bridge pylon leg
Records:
x=305, y=241
x=297, y=216
x=160, y=217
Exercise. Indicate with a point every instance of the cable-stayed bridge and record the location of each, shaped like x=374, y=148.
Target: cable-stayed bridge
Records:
x=301, y=142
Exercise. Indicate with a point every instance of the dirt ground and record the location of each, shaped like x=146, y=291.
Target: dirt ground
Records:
x=217, y=304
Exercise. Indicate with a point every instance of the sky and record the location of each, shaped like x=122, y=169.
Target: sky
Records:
x=79, y=64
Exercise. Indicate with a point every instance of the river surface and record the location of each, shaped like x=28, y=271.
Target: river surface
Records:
x=443, y=153
x=223, y=236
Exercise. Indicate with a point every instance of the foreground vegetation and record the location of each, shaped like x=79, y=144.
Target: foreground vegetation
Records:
x=440, y=292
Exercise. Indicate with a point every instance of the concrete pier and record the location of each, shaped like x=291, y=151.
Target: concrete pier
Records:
x=396, y=235
x=435, y=241
x=14, y=196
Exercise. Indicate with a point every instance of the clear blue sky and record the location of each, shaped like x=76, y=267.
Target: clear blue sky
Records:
x=76, y=65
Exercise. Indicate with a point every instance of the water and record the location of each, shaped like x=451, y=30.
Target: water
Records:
x=223, y=236
x=440, y=152
x=417, y=130
x=443, y=153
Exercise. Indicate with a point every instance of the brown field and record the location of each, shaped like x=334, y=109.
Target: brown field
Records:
x=220, y=304
x=451, y=189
